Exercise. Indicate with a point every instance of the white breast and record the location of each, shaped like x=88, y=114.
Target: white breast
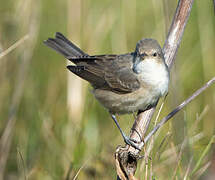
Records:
x=154, y=74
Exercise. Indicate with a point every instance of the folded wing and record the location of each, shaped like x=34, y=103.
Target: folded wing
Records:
x=109, y=72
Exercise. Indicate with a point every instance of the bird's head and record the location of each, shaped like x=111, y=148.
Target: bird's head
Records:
x=147, y=49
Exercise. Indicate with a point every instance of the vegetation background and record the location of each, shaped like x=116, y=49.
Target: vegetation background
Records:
x=51, y=127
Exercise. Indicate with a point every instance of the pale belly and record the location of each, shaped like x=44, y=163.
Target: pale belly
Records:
x=127, y=103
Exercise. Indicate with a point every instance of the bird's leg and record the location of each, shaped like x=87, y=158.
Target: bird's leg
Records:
x=127, y=140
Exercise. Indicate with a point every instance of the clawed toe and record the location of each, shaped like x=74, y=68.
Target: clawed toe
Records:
x=132, y=142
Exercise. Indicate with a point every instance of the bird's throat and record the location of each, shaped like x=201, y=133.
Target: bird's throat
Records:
x=154, y=73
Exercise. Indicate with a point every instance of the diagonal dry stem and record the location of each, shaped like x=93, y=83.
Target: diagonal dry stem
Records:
x=14, y=46
x=178, y=108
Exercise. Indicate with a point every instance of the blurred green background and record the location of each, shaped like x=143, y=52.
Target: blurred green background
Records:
x=51, y=127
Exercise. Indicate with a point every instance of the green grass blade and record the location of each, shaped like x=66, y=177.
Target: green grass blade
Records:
x=203, y=155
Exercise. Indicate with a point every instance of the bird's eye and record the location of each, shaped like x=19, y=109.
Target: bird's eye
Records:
x=155, y=54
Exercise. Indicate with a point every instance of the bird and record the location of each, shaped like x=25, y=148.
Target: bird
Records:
x=124, y=83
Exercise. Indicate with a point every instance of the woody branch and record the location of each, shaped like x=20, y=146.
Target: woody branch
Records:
x=126, y=158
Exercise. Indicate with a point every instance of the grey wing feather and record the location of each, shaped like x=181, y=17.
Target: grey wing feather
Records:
x=121, y=75
x=82, y=72
x=110, y=72
x=123, y=80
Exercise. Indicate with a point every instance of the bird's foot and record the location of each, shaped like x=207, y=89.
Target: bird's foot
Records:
x=127, y=140
x=131, y=142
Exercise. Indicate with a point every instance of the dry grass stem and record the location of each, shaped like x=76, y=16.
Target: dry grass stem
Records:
x=22, y=162
x=178, y=108
x=85, y=163
x=14, y=46
x=200, y=172
x=188, y=169
x=27, y=52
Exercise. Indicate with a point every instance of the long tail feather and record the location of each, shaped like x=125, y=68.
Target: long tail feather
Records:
x=63, y=46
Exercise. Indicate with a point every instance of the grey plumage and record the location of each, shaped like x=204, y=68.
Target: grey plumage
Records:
x=108, y=72
x=122, y=83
